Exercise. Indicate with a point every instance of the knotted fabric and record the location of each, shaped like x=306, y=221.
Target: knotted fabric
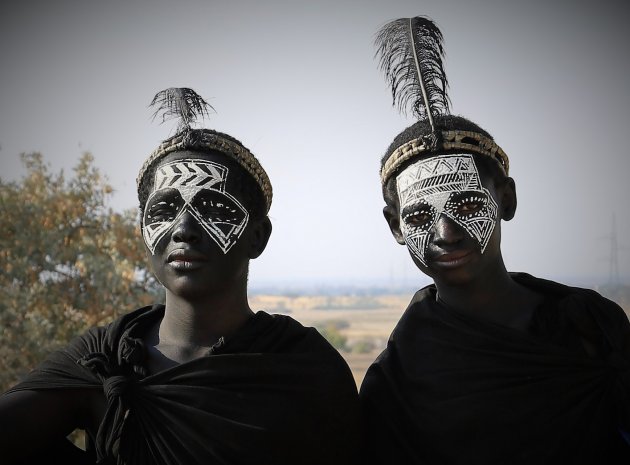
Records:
x=275, y=393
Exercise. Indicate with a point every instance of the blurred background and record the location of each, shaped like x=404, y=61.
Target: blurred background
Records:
x=297, y=83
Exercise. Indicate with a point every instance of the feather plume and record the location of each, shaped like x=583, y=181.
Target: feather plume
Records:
x=180, y=103
x=411, y=54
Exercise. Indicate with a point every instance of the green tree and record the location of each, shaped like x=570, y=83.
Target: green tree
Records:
x=68, y=262
x=331, y=330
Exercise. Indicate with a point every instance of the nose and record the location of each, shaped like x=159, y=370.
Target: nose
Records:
x=187, y=229
x=446, y=232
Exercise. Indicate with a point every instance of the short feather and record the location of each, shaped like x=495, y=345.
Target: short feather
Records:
x=180, y=103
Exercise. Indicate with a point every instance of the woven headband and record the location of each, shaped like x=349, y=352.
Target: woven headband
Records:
x=206, y=140
x=471, y=142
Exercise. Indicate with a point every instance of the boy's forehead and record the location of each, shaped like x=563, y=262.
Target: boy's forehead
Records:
x=442, y=173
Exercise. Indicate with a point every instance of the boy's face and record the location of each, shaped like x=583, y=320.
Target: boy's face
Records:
x=195, y=224
x=448, y=185
x=196, y=186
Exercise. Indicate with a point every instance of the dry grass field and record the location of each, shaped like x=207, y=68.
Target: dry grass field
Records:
x=363, y=322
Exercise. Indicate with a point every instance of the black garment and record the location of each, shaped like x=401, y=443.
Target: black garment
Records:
x=276, y=393
x=452, y=389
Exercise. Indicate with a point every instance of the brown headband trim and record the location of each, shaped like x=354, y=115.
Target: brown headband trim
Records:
x=212, y=141
x=469, y=141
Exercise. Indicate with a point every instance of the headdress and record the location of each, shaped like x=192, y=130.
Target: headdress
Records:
x=411, y=54
x=186, y=105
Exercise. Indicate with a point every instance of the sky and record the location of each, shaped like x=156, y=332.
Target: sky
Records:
x=298, y=84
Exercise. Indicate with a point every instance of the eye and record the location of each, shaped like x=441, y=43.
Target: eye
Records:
x=217, y=208
x=419, y=217
x=162, y=211
x=213, y=209
x=469, y=205
x=163, y=205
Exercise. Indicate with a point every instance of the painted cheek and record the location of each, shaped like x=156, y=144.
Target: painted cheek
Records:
x=480, y=225
x=416, y=240
x=162, y=211
x=221, y=216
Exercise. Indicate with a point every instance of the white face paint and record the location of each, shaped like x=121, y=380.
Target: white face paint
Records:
x=444, y=185
x=196, y=186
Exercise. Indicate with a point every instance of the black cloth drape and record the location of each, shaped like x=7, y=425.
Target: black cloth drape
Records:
x=452, y=389
x=276, y=393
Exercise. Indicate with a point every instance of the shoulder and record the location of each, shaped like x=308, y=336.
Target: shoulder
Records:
x=290, y=335
x=417, y=316
x=588, y=311
x=420, y=308
x=573, y=296
x=287, y=345
x=70, y=366
x=105, y=338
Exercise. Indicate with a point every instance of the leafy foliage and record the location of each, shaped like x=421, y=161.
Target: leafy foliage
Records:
x=68, y=262
x=331, y=330
x=363, y=346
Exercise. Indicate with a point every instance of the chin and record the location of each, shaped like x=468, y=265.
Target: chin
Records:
x=454, y=276
x=453, y=279
x=189, y=288
x=189, y=292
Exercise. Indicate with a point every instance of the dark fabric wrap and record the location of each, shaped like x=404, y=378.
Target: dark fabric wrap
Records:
x=277, y=393
x=452, y=389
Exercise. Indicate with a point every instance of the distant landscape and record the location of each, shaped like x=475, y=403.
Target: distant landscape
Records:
x=358, y=322
x=358, y=326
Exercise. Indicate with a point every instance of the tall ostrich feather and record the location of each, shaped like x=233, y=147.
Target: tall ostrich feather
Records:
x=180, y=103
x=411, y=55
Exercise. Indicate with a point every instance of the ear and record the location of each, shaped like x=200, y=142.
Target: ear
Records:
x=508, y=199
x=393, y=220
x=260, y=233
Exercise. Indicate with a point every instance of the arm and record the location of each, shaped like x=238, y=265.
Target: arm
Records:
x=34, y=422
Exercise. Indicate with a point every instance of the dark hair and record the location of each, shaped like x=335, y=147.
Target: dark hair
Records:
x=423, y=128
x=253, y=198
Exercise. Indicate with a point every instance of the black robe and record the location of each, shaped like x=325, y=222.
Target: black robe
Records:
x=453, y=389
x=276, y=393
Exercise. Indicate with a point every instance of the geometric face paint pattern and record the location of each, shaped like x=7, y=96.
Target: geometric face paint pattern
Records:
x=196, y=186
x=444, y=185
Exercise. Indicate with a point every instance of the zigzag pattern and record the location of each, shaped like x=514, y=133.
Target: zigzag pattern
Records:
x=481, y=227
x=186, y=174
x=438, y=174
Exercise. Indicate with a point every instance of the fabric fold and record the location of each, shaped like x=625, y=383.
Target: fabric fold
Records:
x=450, y=386
x=275, y=393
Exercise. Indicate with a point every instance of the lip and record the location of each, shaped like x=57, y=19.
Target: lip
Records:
x=185, y=259
x=452, y=259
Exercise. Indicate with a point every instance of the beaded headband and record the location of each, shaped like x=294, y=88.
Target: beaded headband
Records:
x=468, y=141
x=204, y=139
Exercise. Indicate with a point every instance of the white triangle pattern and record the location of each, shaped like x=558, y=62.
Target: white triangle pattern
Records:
x=189, y=176
x=434, y=180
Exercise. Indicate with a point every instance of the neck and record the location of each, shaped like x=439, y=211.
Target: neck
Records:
x=494, y=297
x=201, y=322
x=479, y=294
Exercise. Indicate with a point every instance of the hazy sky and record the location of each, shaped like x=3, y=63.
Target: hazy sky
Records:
x=297, y=83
